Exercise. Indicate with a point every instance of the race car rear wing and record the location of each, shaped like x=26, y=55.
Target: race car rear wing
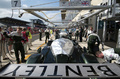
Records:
x=61, y=70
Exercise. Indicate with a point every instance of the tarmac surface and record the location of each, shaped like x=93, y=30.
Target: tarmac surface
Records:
x=36, y=43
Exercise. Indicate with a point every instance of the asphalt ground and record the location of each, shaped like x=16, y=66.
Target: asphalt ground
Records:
x=36, y=36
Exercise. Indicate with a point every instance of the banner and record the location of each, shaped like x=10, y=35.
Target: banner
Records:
x=76, y=3
x=61, y=71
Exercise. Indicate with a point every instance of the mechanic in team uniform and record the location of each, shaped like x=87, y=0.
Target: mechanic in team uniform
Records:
x=17, y=44
x=109, y=54
x=93, y=42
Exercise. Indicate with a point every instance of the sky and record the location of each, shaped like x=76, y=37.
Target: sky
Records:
x=6, y=9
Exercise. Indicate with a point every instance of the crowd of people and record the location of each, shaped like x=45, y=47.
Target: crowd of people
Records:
x=93, y=42
x=19, y=40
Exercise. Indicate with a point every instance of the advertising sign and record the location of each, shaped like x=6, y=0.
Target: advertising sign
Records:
x=61, y=71
x=76, y=3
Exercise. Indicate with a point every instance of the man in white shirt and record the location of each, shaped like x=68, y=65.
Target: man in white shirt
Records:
x=109, y=54
x=90, y=31
x=47, y=33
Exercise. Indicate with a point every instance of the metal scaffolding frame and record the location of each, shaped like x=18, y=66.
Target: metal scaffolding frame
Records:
x=65, y=8
x=32, y=10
